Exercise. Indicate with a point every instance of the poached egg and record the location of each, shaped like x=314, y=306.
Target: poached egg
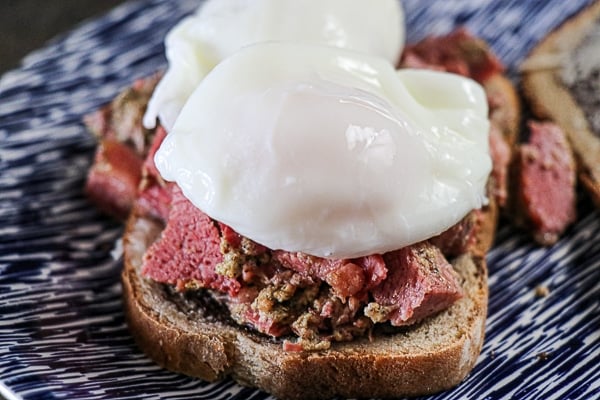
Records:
x=329, y=151
x=221, y=27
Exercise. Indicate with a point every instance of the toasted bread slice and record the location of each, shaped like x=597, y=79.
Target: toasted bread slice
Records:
x=551, y=99
x=193, y=335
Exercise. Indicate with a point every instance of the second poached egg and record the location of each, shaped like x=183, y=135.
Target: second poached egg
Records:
x=221, y=27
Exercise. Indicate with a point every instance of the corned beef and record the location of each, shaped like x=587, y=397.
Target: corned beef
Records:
x=501, y=157
x=346, y=277
x=460, y=238
x=154, y=193
x=421, y=282
x=127, y=112
x=545, y=179
x=458, y=52
x=278, y=292
x=188, y=250
x=154, y=199
x=114, y=177
x=123, y=143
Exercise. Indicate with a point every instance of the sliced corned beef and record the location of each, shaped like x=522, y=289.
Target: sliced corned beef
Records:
x=460, y=238
x=154, y=197
x=149, y=166
x=420, y=282
x=123, y=143
x=501, y=155
x=545, y=178
x=114, y=177
x=188, y=250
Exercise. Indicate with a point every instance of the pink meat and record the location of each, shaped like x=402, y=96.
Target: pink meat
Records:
x=149, y=165
x=460, y=238
x=154, y=196
x=188, y=250
x=155, y=200
x=420, y=282
x=546, y=181
x=501, y=155
x=346, y=277
x=458, y=52
x=266, y=325
x=98, y=123
x=113, y=180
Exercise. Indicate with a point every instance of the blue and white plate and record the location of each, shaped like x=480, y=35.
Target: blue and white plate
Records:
x=62, y=331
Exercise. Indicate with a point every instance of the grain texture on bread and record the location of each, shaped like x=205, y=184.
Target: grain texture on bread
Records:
x=192, y=335
x=551, y=99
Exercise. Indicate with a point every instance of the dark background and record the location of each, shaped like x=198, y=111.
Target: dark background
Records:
x=26, y=25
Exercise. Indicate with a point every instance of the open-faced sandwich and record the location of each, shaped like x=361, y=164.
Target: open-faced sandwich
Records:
x=303, y=216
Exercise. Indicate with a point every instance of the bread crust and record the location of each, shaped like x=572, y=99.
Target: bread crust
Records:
x=182, y=335
x=551, y=99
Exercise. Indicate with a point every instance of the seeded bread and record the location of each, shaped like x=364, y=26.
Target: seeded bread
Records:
x=551, y=99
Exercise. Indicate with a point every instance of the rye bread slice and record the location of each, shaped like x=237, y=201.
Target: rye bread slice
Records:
x=551, y=99
x=191, y=334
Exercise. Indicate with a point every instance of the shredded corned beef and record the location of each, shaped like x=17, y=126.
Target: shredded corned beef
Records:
x=346, y=277
x=501, y=157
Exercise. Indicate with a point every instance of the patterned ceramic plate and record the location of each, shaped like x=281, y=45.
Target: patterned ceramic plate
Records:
x=62, y=331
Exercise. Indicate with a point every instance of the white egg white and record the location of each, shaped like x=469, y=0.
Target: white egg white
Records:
x=328, y=151
x=222, y=27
